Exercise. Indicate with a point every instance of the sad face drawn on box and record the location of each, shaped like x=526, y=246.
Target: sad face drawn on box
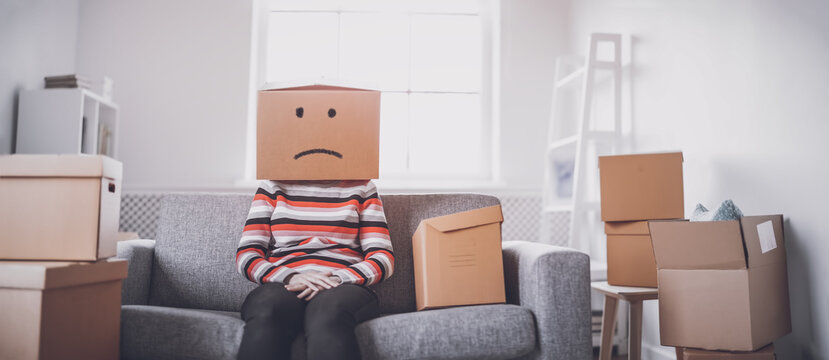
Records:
x=300, y=112
x=318, y=132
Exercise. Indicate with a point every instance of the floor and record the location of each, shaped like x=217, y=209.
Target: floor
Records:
x=615, y=357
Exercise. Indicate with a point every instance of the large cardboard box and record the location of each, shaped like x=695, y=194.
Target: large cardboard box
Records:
x=458, y=259
x=641, y=187
x=766, y=353
x=60, y=310
x=59, y=207
x=722, y=284
x=630, y=259
x=317, y=132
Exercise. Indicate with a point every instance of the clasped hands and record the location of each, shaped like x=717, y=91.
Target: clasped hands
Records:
x=309, y=283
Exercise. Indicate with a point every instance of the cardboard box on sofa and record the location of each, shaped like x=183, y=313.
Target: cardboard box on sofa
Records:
x=722, y=284
x=316, y=131
x=630, y=259
x=59, y=207
x=458, y=259
x=641, y=187
x=766, y=353
x=60, y=310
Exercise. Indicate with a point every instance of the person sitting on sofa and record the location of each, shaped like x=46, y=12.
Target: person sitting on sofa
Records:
x=315, y=247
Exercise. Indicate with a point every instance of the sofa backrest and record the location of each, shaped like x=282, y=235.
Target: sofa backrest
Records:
x=194, y=264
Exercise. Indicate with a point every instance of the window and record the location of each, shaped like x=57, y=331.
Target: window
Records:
x=431, y=60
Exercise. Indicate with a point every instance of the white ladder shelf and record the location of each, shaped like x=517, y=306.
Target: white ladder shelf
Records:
x=583, y=143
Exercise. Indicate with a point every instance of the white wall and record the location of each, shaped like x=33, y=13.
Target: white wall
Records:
x=741, y=87
x=37, y=39
x=181, y=71
x=533, y=34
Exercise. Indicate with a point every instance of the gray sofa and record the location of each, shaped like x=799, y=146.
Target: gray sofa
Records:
x=182, y=296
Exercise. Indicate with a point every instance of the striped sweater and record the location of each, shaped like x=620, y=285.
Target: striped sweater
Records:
x=299, y=226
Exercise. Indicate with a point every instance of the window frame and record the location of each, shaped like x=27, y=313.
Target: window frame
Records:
x=489, y=172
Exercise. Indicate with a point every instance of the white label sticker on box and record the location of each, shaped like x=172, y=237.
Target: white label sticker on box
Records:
x=765, y=231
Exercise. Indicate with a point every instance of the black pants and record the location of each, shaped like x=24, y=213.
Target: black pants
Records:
x=274, y=316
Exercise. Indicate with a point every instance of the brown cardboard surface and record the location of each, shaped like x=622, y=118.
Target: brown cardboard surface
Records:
x=705, y=304
x=353, y=133
x=627, y=228
x=756, y=257
x=467, y=219
x=766, y=353
x=93, y=308
x=75, y=314
x=630, y=261
x=39, y=275
x=706, y=309
x=462, y=265
x=770, y=317
x=641, y=187
x=59, y=211
x=698, y=245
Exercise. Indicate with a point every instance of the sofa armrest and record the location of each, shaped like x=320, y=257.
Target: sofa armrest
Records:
x=136, y=287
x=554, y=282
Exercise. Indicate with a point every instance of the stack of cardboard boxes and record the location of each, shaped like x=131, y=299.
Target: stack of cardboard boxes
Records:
x=635, y=189
x=723, y=290
x=60, y=298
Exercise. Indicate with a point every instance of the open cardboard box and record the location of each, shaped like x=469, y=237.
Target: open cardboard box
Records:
x=722, y=284
x=59, y=207
x=458, y=259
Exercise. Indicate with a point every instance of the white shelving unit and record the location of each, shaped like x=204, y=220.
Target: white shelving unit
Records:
x=577, y=134
x=66, y=121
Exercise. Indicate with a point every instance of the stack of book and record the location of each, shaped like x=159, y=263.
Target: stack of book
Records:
x=596, y=322
x=68, y=81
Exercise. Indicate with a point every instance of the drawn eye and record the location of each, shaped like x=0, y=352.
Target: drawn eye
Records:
x=332, y=113
x=299, y=112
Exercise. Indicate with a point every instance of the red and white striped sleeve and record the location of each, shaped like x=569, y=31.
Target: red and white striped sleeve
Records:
x=375, y=243
x=255, y=242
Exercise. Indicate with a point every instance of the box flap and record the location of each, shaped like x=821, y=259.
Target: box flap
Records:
x=466, y=219
x=626, y=228
x=764, y=239
x=48, y=165
x=56, y=274
x=317, y=84
x=698, y=245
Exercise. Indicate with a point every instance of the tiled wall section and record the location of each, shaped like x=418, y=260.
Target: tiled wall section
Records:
x=522, y=217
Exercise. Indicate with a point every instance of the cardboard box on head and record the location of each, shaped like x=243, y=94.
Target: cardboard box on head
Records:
x=316, y=131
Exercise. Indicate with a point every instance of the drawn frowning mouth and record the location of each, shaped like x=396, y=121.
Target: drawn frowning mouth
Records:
x=318, y=151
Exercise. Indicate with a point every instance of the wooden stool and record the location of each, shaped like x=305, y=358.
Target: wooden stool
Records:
x=633, y=295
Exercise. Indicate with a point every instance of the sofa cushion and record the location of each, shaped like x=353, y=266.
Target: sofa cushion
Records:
x=194, y=264
x=470, y=332
x=155, y=332
x=195, y=251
